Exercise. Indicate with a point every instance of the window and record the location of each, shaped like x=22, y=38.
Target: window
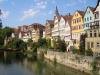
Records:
x=79, y=27
x=90, y=18
x=87, y=19
x=96, y=15
x=88, y=24
x=92, y=44
x=77, y=20
x=99, y=34
x=96, y=22
x=98, y=44
x=88, y=45
x=90, y=33
x=95, y=34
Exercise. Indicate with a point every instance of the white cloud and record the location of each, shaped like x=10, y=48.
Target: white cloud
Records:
x=5, y=14
x=29, y=13
x=38, y=7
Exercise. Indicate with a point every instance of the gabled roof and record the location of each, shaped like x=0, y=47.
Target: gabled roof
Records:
x=37, y=26
x=59, y=17
x=81, y=12
x=51, y=22
x=91, y=8
x=97, y=4
x=68, y=18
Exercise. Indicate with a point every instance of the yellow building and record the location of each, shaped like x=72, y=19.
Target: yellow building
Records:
x=77, y=27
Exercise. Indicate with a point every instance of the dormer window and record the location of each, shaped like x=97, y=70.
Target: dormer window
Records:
x=96, y=15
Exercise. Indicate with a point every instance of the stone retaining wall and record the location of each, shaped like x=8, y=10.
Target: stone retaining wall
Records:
x=74, y=61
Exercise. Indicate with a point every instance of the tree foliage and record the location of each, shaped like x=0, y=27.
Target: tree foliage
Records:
x=42, y=42
x=5, y=33
x=48, y=43
x=89, y=52
x=17, y=44
x=82, y=44
x=60, y=45
x=74, y=50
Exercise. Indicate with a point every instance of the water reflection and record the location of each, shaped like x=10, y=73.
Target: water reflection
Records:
x=16, y=64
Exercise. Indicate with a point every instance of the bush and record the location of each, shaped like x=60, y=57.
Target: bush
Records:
x=89, y=52
x=42, y=43
x=48, y=43
x=74, y=50
x=59, y=45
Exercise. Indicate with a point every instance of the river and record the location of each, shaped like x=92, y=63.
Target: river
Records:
x=15, y=65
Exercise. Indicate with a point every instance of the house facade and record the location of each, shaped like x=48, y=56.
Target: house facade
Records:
x=93, y=34
x=65, y=28
x=37, y=31
x=55, y=29
x=77, y=27
x=48, y=28
x=88, y=18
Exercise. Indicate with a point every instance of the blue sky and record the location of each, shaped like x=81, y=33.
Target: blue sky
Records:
x=22, y=12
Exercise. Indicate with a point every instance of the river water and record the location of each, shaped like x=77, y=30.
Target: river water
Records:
x=15, y=65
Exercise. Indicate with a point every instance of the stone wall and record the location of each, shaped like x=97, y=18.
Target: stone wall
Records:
x=74, y=61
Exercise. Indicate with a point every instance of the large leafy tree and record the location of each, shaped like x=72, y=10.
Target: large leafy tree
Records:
x=82, y=44
x=5, y=33
x=17, y=44
x=42, y=42
x=60, y=45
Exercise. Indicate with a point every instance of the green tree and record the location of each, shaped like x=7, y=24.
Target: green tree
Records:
x=42, y=42
x=30, y=42
x=48, y=43
x=82, y=44
x=5, y=33
x=60, y=45
x=17, y=44
x=74, y=50
x=89, y=52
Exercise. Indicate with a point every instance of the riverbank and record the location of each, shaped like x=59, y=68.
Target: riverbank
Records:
x=77, y=62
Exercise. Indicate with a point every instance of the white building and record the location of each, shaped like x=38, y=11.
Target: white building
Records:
x=65, y=28
x=55, y=29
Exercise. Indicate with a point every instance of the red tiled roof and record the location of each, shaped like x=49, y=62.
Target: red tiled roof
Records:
x=68, y=18
x=92, y=9
x=51, y=22
x=81, y=12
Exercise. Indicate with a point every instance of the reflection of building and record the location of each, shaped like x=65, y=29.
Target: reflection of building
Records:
x=48, y=28
x=77, y=27
x=93, y=34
